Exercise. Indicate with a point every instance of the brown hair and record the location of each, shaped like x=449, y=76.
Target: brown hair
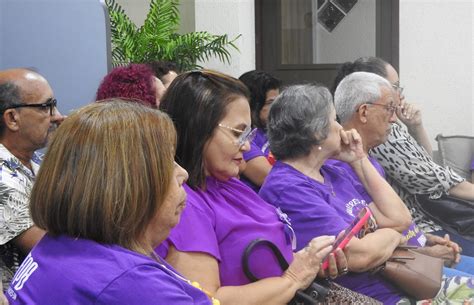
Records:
x=106, y=173
x=197, y=101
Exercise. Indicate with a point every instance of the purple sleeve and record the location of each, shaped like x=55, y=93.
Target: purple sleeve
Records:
x=472, y=164
x=360, y=188
x=254, y=152
x=348, y=173
x=310, y=214
x=148, y=285
x=377, y=166
x=195, y=231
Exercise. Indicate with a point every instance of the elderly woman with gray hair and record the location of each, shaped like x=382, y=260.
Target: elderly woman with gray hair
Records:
x=322, y=199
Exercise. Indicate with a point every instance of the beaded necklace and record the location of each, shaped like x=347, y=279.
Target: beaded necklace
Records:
x=192, y=283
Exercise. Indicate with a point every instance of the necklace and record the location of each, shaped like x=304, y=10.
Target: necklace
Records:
x=192, y=283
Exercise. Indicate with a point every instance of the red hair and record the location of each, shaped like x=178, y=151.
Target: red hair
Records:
x=135, y=81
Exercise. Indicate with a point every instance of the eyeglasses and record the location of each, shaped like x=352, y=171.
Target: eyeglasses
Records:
x=248, y=134
x=398, y=88
x=390, y=108
x=50, y=103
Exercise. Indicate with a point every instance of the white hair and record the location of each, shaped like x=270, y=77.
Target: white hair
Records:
x=356, y=89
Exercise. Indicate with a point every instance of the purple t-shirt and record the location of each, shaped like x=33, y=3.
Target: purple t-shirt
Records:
x=415, y=236
x=317, y=209
x=222, y=221
x=65, y=270
x=258, y=148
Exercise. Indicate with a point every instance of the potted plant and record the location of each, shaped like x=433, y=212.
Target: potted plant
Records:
x=157, y=38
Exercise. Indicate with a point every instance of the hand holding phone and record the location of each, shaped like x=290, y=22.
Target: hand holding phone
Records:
x=349, y=232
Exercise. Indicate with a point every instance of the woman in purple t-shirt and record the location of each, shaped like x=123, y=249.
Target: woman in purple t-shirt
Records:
x=264, y=88
x=322, y=199
x=107, y=193
x=212, y=118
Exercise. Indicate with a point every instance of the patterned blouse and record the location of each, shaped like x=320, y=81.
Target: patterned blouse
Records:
x=411, y=170
x=16, y=181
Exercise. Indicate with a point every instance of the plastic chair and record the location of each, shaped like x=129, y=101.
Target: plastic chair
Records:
x=456, y=152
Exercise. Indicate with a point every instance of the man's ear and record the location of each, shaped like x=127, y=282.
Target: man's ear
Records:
x=362, y=111
x=11, y=119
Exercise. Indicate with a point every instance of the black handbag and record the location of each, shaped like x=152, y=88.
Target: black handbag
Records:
x=321, y=291
x=453, y=214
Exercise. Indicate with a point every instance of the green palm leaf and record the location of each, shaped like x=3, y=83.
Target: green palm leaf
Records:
x=157, y=38
x=123, y=33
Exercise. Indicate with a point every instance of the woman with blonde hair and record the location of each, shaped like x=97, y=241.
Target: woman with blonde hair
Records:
x=107, y=193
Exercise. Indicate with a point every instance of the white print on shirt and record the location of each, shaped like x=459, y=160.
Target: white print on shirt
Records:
x=24, y=272
x=355, y=203
x=11, y=293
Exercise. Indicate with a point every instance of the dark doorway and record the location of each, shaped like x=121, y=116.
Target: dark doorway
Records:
x=307, y=40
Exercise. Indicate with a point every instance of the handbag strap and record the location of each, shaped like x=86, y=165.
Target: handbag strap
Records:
x=317, y=292
x=249, y=249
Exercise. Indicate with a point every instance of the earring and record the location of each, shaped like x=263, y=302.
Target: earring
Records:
x=320, y=148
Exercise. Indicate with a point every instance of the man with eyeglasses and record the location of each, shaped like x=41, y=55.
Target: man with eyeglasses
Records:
x=367, y=102
x=28, y=118
x=350, y=97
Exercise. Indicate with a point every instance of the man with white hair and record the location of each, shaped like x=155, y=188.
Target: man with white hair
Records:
x=368, y=103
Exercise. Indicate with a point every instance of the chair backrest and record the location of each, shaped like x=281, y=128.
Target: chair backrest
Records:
x=456, y=152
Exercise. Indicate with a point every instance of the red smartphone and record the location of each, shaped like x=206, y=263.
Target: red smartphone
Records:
x=349, y=232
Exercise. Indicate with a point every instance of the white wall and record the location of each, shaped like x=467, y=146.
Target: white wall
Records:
x=232, y=17
x=135, y=9
x=187, y=16
x=138, y=9
x=436, y=63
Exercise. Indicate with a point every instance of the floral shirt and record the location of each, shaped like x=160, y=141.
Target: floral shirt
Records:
x=16, y=181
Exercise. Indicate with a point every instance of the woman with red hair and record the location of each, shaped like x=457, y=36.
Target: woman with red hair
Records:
x=135, y=81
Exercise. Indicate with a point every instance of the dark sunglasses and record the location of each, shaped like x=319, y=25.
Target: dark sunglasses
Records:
x=50, y=103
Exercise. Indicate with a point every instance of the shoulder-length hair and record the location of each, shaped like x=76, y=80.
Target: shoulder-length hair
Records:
x=106, y=173
x=197, y=101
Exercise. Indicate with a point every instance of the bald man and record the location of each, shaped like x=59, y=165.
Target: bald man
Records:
x=28, y=118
